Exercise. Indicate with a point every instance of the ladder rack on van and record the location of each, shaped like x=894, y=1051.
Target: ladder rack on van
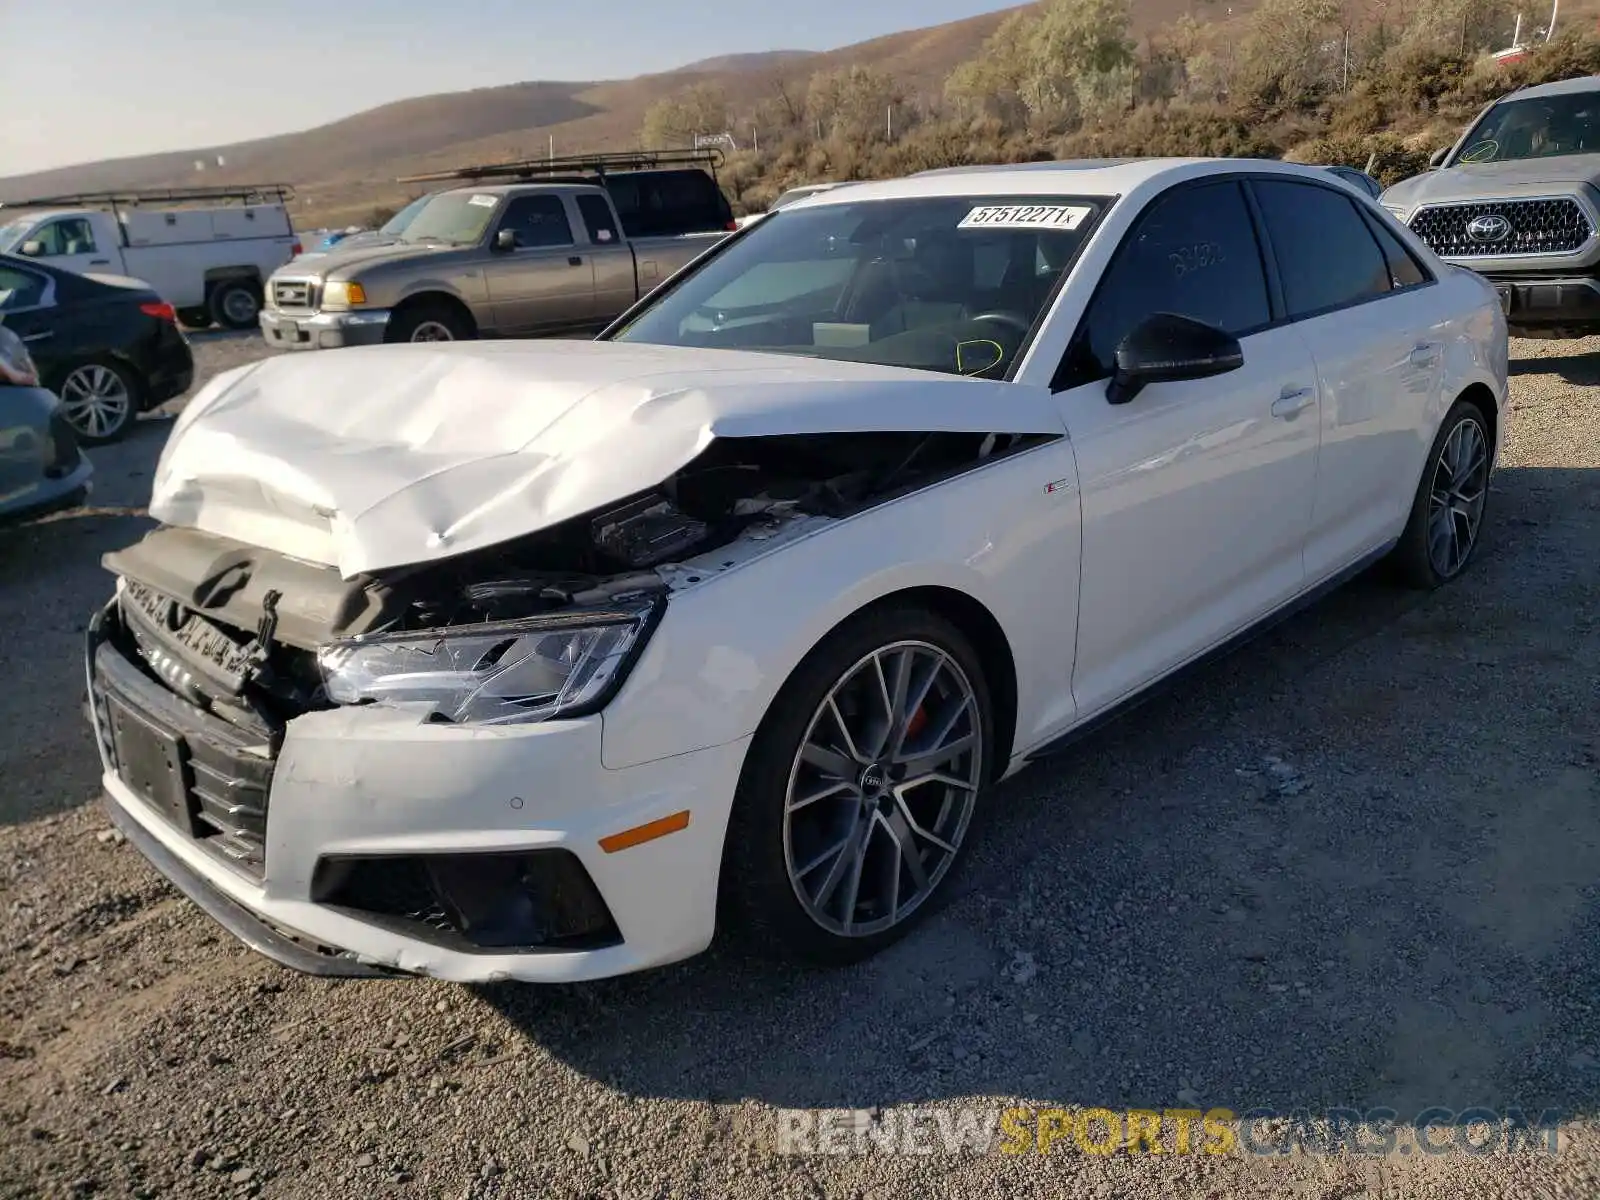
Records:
x=578, y=166
x=252, y=193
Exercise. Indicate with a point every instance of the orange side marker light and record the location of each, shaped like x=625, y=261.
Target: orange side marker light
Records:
x=648, y=832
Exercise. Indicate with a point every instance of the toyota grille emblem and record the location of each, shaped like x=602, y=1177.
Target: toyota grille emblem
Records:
x=1491, y=227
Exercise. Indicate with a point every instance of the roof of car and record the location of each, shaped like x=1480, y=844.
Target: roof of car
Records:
x=1078, y=177
x=1565, y=87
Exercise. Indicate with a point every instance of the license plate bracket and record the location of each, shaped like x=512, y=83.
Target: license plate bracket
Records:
x=152, y=762
x=1505, y=299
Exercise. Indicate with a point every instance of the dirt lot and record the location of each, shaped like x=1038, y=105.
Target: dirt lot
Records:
x=1357, y=864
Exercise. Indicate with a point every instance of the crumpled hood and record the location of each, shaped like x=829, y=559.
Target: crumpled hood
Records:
x=384, y=456
x=1492, y=181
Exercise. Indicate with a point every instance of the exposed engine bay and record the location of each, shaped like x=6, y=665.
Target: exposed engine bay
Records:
x=235, y=629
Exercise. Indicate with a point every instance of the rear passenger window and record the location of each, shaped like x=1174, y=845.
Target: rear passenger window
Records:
x=597, y=219
x=1326, y=254
x=1193, y=253
x=1404, y=270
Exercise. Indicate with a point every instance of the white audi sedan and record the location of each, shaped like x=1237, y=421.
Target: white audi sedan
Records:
x=551, y=660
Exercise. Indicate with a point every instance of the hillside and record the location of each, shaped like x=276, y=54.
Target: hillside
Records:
x=349, y=163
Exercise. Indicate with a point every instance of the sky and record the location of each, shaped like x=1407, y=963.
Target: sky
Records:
x=95, y=79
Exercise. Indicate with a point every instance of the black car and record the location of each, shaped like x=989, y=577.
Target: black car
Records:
x=109, y=347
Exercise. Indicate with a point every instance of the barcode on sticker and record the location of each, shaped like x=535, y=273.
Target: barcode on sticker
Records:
x=483, y=201
x=1025, y=216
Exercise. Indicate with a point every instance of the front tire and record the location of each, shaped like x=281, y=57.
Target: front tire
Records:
x=859, y=790
x=1447, y=512
x=428, y=323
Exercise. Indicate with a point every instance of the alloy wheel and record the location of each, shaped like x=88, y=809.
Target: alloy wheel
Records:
x=1456, y=497
x=882, y=790
x=95, y=400
x=432, y=331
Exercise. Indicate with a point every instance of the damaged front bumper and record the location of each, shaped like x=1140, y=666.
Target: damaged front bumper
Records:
x=374, y=842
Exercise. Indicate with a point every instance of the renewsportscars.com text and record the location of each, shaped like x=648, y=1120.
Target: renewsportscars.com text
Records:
x=1177, y=1131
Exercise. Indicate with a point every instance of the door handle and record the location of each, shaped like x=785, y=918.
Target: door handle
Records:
x=1424, y=354
x=1291, y=402
x=38, y=337
x=575, y=260
x=99, y=262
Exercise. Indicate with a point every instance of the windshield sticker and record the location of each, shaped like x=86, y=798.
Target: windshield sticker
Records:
x=1025, y=216
x=483, y=201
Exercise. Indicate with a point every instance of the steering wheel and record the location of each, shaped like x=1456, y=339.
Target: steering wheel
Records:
x=1009, y=319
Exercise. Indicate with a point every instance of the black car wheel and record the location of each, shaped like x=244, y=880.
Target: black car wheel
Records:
x=236, y=304
x=99, y=399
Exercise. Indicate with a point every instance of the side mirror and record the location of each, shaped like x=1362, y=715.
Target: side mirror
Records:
x=32, y=248
x=505, y=240
x=1436, y=159
x=1166, y=348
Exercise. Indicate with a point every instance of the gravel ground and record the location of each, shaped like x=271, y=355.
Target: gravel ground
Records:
x=1355, y=865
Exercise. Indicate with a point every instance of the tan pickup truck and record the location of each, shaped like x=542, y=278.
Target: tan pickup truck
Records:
x=502, y=260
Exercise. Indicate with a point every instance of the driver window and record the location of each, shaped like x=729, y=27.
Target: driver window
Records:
x=1193, y=253
x=69, y=235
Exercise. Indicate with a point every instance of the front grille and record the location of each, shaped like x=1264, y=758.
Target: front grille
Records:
x=203, y=774
x=1544, y=226
x=295, y=293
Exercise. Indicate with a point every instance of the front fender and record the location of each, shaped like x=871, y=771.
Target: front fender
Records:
x=726, y=646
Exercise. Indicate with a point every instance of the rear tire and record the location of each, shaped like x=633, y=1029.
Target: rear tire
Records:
x=99, y=399
x=429, y=323
x=236, y=304
x=823, y=772
x=1448, y=510
x=195, y=318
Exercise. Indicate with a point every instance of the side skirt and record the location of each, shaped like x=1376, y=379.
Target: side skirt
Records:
x=1221, y=650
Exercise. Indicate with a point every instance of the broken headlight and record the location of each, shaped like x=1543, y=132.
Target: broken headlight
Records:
x=560, y=665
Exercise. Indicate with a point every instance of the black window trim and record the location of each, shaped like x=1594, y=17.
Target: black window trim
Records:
x=1366, y=218
x=1060, y=380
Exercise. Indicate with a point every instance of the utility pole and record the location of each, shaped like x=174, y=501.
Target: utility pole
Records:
x=552, y=147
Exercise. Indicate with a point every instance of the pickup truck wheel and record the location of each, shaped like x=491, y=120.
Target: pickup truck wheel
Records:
x=99, y=399
x=236, y=304
x=428, y=323
x=859, y=790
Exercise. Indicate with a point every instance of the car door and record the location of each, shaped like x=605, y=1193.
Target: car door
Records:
x=543, y=283
x=1196, y=495
x=1368, y=313
x=69, y=244
x=611, y=259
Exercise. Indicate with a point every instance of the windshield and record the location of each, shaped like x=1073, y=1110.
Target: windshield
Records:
x=397, y=223
x=11, y=233
x=452, y=218
x=952, y=284
x=1542, y=127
